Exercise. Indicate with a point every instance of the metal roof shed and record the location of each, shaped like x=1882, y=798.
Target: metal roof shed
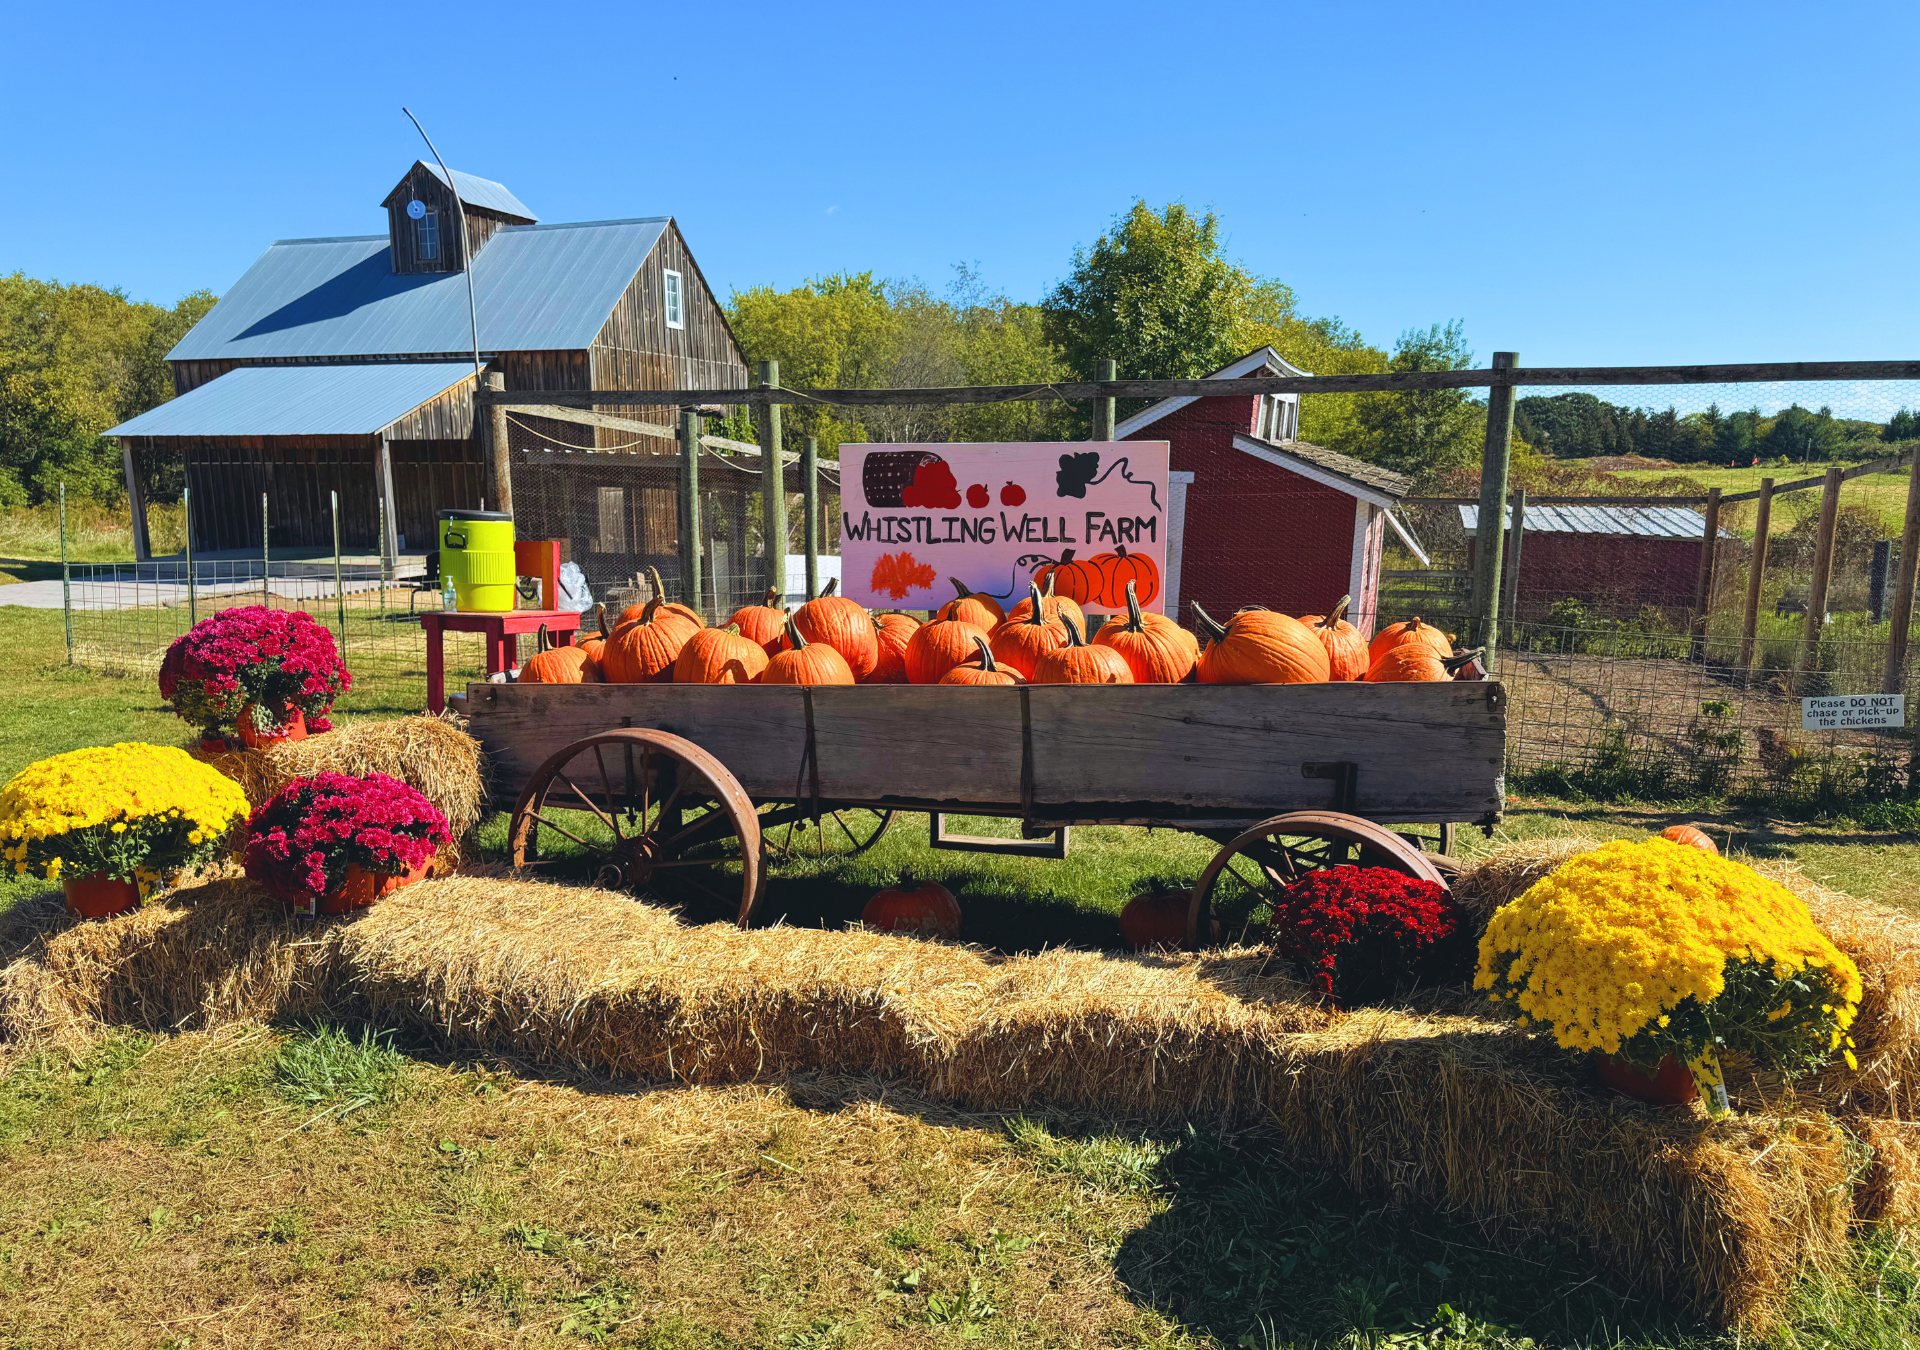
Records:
x=1612, y=559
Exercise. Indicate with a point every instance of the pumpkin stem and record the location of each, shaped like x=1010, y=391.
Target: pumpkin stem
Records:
x=986, y=654
x=653, y=607
x=600, y=620
x=1073, y=634
x=772, y=595
x=1135, y=623
x=793, y=636
x=1214, y=631
x=659, y=586
x=965, y=591
x=1037, y=617
x=1050, y=577
x=542, y=641
x=1460, y=660
x=732, y=628
x=1338, y=613
x=833, y=584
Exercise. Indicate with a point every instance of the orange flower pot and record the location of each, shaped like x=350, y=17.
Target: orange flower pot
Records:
x=293, y=729
x=360, y=889
x=99, y=896
x=1669, y=1085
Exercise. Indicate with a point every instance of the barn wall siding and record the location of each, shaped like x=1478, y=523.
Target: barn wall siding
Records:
x=1256, y=534
x=1612, y=575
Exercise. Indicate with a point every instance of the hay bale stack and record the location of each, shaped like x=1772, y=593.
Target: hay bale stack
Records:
x=430, y=754
x=1505, y=874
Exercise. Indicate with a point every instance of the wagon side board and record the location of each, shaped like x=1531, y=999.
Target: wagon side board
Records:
x=1422, y=752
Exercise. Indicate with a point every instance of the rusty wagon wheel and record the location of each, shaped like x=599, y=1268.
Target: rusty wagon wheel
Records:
x=845, y=833
x=646, y=811
x=1249, y=872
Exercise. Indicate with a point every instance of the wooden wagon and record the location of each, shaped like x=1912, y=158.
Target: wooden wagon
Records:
x=680, y=790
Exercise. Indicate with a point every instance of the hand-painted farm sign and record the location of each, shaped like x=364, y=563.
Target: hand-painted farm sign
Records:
x=1090, y=515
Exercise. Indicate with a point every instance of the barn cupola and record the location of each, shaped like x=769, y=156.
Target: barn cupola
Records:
x=424, y=227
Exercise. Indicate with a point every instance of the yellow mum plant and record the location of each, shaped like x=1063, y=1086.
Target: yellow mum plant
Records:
x=1645, y=950
x=130, y=811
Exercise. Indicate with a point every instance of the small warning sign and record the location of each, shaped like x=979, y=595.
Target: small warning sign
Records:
x=1847, y=711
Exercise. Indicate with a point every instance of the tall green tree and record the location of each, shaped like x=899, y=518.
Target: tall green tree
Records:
x=1423, y=431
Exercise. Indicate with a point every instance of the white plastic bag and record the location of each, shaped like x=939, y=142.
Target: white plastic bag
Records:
x=575, y=595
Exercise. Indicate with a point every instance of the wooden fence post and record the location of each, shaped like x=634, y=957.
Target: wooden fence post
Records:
x=1902, y=616
x=773, y=521
x=690, y=554
x=1516, y=536
x=1103, y=407
x=810, y=496
x=1816, y=622
x=1491, y=525
x=502, y=462
x=1756, y=574
x=1703, y=579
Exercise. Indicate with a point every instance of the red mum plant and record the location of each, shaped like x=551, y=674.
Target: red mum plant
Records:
x=278, y=661
x=1361, y=933
x=304, y=842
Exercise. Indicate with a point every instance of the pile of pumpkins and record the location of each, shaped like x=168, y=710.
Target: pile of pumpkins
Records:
x=1045, y=639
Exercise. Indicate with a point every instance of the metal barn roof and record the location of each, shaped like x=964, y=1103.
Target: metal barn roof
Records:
x=1652, y=522
x=337, y=400
x=539, y=288
x=482, y=192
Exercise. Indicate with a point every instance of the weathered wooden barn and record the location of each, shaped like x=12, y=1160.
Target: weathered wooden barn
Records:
x=1613, y=560
x=346, y=365
x=1258, y=516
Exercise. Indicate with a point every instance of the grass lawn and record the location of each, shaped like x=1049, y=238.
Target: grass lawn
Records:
x=309, y=1185
x=1885, y=493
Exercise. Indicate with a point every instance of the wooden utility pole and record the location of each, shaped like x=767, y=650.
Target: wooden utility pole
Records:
x=1491, y=525
x=1103, y=407
x=810, y=495
x=1703, y=579
x=1516, y=536
x=1902, y=616
x=774, y=489
x=1756, y=574
x=690, y=547
x=1816, y=622
x=502, y=463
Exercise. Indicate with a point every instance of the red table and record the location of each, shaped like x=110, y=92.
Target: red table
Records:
x=500, y=628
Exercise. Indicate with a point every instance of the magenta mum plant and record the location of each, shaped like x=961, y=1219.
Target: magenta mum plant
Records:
x=278, y=660
x=301, y=842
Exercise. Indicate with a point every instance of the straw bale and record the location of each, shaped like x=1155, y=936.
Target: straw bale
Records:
x=1889, y=1191
x=1505, y=874
x=430, y=754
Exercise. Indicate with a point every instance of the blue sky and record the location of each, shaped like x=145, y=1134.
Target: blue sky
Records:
x=1583, y=184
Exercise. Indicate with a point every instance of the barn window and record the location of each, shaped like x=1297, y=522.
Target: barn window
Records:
x=426, y=234
x=676, y=315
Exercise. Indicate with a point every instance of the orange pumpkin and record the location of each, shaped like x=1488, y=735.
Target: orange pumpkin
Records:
x=632, y=612
x=1155, y=919
x=923, y=908
x=1692, y=836
x=1347, y=657
x=1078, y=663
x=1258, y=646
x=891, y=633
x=1156, y=649
x=558, y=665
x=1028, y=634
x=595, y=643
x=1053, y=606
x=806, y=662
x=720, y=656
x=1413, y=630
x=980, y=669
x=974, y=607
x=843, y=625
x=765, y=623
x=937, y=647
x=643, y=650
x=1416, y=662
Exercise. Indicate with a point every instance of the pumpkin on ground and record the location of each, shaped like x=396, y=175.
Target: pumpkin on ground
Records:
x=937, y=647
x=1156, y=649
x=843, y=625
x=1053, y=606
x=922, y=908
x=980, y=669
x=1078, y=663
x=1412, y=630
x=1156, y=919
x=1347, y=657
x=891, y=634
x=1027, y=635
x=643, y=650
x=1415, y=662
x=720, y=656
x=974, y=607
x=558, y=665
x=806, y=662
x=1260, y=646
x=764, y=623
x=1692, y=836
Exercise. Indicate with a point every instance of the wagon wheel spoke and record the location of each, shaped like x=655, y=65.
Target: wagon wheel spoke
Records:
x=605, y=819
x=668, y=845
x=606, y=783
x=563, y=830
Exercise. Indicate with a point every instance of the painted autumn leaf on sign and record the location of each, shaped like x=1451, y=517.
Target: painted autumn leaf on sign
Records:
x=898, y=573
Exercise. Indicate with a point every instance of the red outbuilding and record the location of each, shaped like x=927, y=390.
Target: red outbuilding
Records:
x=1257, y=516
